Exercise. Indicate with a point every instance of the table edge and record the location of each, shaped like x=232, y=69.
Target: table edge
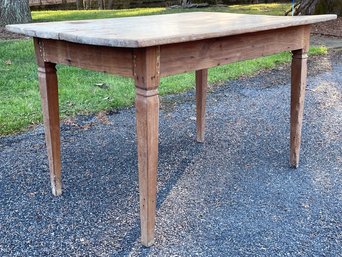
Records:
x=130, y=43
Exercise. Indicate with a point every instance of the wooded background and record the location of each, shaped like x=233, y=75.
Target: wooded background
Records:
x=118, y=4
x=102, y=4
x=18, y=11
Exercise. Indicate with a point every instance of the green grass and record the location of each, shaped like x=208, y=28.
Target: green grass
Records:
x=40, y=16
x=79, y=90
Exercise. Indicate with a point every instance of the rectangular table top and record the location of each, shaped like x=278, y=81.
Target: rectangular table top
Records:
x=144, y=31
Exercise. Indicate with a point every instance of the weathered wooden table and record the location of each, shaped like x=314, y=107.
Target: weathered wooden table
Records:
x=150, y=47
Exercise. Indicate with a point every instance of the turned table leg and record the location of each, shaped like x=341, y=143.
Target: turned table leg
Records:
x=298, y=85
x=146, y=74
x=201, y=94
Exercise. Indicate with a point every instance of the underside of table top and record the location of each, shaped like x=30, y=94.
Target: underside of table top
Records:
x=144, y=31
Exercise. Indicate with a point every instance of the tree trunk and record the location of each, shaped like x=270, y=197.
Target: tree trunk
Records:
x=14, y=11
x=64, y=3
x=307, y=7
x=79, y=4
x=110, y=4
x=185, y=2
x=100, y=4
x=86, y=4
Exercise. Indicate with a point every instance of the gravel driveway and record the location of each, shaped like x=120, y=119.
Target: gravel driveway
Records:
x=234, y=195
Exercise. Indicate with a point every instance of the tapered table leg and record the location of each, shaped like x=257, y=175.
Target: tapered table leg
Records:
x=49, y=98
x=298, y=85
x=146, y=73
x=201, y=94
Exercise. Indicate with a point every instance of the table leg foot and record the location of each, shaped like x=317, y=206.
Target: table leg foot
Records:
x=201, y=93
x=298, y=85
x=49, y=97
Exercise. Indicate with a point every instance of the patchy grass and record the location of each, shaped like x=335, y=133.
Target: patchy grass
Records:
x=267, y=9
x=318, y=50
x=61, y=15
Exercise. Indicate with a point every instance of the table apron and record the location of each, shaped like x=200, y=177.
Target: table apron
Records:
x=112, y=60
x=180, y=57
x=197, y=55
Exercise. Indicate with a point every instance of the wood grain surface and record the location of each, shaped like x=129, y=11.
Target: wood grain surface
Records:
x=143, y=31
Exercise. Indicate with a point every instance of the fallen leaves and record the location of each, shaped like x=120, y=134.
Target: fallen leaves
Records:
x=103, y=118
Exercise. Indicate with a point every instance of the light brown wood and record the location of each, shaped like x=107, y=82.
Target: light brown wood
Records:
x=201, y=94
x=146, y=75
x=99, y=58
x=298, y=85
x=208, y=53
x=164, y=29
x=195, y=55
x=49, y=98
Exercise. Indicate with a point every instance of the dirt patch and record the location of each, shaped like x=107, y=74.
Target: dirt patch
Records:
x=329, y=28
x=4, y=34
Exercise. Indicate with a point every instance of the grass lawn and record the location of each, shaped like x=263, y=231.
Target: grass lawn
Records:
x=83, y=91
x=269, y=9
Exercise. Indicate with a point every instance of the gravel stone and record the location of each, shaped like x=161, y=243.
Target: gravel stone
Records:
x=234, y=195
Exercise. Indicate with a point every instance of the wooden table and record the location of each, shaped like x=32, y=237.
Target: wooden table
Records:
x=150, y=47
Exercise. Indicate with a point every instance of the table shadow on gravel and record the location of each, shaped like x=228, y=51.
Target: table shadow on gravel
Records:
x=99, y=204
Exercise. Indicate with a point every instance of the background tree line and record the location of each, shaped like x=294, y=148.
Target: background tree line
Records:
x=110, y=4
x=18, y=11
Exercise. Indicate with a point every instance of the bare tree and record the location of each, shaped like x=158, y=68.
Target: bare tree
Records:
x=14, y=11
